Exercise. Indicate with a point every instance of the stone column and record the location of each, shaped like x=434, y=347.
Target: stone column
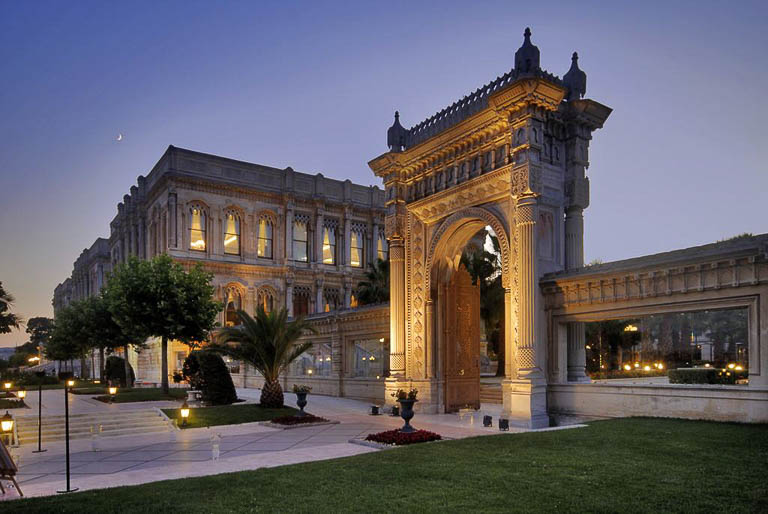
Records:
x=374, y=243
x=319, y=303
x=574, y=258
x=173, y=224
x=429, y=339
x=346, y=244
x=527, y=212
x=289, y=296
x=320, y=220
x=397, y=306
x=142, y=241
x=288, y=233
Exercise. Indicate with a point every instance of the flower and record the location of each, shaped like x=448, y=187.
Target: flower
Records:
x=401, y=394
x=398, y=438
x=301, y=388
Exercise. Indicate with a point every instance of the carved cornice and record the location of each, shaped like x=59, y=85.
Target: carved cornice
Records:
x=485, y=188
x=530, y=91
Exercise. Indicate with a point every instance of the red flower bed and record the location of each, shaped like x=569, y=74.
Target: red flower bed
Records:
x=298, y=420
x=400, y=439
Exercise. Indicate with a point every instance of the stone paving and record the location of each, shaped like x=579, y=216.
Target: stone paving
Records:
x=150, y=457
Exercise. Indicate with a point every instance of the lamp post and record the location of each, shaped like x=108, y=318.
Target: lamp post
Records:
x=184, y=413
x=21, y=394
x=6, y=425
x=40, y=375
x=112, y=392
x=69, y=382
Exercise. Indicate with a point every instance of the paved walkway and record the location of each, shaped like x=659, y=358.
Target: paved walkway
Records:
x=125, y=460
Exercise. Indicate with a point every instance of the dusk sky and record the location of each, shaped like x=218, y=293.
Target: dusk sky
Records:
x=314, y=85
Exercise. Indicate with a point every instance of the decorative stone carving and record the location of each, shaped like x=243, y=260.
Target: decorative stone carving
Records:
x=525, y=180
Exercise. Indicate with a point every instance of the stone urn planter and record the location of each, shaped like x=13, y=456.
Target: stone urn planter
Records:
x=406, y=412
x=301, y=402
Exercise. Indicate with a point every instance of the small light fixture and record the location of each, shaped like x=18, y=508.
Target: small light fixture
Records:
x=184, y=413
x=309, y=372
x=503, y=425
x=731, y=366
x=374, y=410
x=21, y=394
x=487, y=421
x=627, y=367
x=33, y=359
x=7, y=385
x=381, y=340
x=646, y=368
x=706, y=365
x=661, y=366
x=6, y=423
x=739, y=368
x=113, y=390
x=70, y=382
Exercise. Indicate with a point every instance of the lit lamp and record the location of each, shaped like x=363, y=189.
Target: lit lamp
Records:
x=21, y=395
x=112, y=392
x=6, y=424
x=184, y=413
x=7, y=385
x=70, y=382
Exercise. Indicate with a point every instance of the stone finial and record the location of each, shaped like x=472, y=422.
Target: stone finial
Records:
x=527, y=56
x=575, y=80
x=396, y=135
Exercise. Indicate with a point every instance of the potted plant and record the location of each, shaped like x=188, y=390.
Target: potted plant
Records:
x=301, y=397
x=406, y=401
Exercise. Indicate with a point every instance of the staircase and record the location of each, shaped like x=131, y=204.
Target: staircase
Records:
x=490, y=393
x=133, y=422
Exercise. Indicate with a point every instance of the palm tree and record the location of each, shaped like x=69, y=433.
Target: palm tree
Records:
x=8, y=320
x=268, y=343
x=375, y=287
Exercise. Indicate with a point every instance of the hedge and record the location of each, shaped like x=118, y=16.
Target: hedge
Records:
x=207, y=372
x=706, y=376
x=114, y=371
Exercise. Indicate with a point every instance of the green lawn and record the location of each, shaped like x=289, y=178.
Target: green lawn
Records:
x=229, y=415
x=627, y=465
x=144, y=394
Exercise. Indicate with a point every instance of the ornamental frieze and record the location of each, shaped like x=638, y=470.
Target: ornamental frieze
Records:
x=525, y=179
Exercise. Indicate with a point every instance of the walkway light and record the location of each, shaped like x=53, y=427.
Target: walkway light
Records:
x=627, y=367
x=70, y=382
x=21, y=394
x=731, y=366
x=184, y=413
x=6, y=423
x=646, y=368
x=7, y=385
x=112, y=392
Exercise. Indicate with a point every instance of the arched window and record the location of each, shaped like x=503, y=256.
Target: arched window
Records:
x=300, y=239
x=301, y=301
x=232, y=233
x=234, y=303
x=264, y=238
x=329, y=244
x=332, y=299
x=353, y=301
x=197, y=224
x=382, y=250
x=356, y=259
x=265, y=299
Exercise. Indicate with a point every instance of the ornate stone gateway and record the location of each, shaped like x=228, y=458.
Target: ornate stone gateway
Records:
x=460, y=303
x=512, y=155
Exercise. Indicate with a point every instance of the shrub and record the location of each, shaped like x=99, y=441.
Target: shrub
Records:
x=706, y=376
x=29, y=379
x=398, y=438
x=207, y=372
x=114, y=371
x=301, y=388
x=298, y=420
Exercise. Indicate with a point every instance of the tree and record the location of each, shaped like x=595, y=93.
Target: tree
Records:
x=39, y=330
x=375, y=288
x=268, y=343
x=159, y=298
x=69, y=338
x=22, y=354
x=8, y=320
x=103, y=332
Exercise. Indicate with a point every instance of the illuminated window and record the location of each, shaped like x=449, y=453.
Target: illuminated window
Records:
x=300, y=239
x=332, y=299
x=382, y=249
x=356, y=249
x=353, y=301
x=264, y=239
x=329, y=245
x=316, y=361
x=371, y=358
x=197, y=229
x=234, y=304
x=266, y=300
x=232, y=234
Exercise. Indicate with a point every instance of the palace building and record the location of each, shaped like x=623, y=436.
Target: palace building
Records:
x=510, y=159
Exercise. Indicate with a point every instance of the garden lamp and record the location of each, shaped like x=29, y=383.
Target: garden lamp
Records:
x=70, y=382
x=7, y=385
x=6, y=423
x=184, y=413
x=113, y=390
x=21, y=394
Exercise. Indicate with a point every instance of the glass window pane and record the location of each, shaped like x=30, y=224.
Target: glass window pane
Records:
x=314, y=362
x=232, y=235
x=356, y=250
x=300, y=241
x=264, y=239
x=197, y=229
x=329, y=245
x=371, y=358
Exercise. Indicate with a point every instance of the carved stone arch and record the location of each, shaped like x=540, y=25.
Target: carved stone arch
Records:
x=490, y=219
x=267, y=214
x=198, y=202
x=267, y=295
x=236, y=209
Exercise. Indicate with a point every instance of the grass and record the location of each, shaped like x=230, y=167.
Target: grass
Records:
x=626, y=465
x=229, y=415
x=144, y=394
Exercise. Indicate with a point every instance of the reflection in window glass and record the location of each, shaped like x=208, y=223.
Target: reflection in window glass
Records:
x=300, y=240
x=356, y=250
x=264, y=239
x=381, y=249
x=232, y=234
x=371, y=358
x=314, y=362
x=329, y=245
x=197, y=229
x=652, y=345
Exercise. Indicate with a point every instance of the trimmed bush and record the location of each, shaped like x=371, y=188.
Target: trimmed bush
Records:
x=114, y=371
x=207, y=372
x=717, y=376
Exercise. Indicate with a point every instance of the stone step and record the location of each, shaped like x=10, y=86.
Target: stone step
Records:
x=84, y=435
x=490, y=394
